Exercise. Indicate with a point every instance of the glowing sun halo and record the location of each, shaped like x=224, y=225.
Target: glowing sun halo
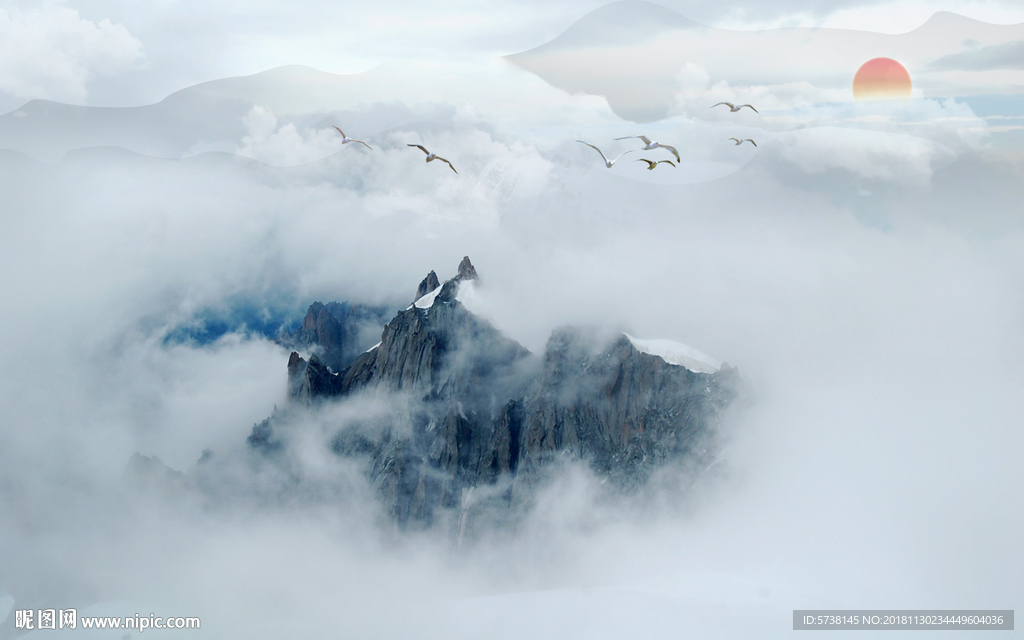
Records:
x=881, y=79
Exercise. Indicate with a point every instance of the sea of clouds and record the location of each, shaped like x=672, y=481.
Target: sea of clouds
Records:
x=862, y=268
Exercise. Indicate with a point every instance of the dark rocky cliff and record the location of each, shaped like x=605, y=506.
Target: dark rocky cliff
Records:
x=338, y=331
x=490, y=418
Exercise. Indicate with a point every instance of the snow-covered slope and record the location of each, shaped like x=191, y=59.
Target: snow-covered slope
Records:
x=678, y=354
x=427, y=300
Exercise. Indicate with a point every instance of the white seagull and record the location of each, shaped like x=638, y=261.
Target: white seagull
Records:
x=653, y=145
x=608, y=163
x=738, y=141
x=734, y=108
x=345, y=139
x=431, y=157
x=651, y=163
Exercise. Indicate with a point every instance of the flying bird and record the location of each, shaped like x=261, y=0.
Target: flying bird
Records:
x=738, y=141
x=431, y=157
x=608, y=163
x=345, y=139
x=734, y=108
x=653, y=145
x=651, y=163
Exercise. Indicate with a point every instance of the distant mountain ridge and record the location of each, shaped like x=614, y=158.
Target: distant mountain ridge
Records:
x=629, y=52
x=210, y=116
x=632, y=53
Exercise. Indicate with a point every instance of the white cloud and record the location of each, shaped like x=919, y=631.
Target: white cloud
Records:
x=697, y=93
x=870, y=154
x=283, y=144
x=54, y=53
x=395, y=178
x=946, y=122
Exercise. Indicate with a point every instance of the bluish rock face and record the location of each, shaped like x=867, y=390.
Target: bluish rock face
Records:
x=489, y=419
x=338, y=331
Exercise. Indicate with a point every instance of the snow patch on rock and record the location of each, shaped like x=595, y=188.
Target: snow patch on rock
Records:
x=678, y=354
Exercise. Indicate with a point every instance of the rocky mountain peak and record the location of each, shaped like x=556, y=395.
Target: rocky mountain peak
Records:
x=337, y=331
x=466, y=270
x=294, y=362
x=319, y=320
x=427, y=285
x=480, y=411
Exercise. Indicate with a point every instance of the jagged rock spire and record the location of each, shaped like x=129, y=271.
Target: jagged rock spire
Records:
x=427, y=285
x=466, y=270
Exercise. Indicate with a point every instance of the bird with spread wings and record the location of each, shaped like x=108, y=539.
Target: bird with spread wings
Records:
x=651, y=163
x=345, y=139
x=608, y=163
x=733, y=107
x=649, y=145
x=431, y=156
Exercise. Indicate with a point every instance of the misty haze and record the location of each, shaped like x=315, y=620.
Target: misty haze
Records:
x=320, y=321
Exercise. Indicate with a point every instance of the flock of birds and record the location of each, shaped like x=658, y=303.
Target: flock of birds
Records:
x=430, y=156
x=649, y=145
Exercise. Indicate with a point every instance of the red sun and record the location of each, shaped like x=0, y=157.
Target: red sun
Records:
x=881, y=79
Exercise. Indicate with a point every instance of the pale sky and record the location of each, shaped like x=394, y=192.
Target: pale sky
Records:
x=121, y=53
